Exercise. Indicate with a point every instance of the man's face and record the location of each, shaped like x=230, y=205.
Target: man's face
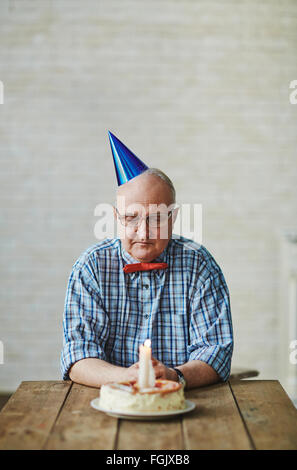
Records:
x=146, y=195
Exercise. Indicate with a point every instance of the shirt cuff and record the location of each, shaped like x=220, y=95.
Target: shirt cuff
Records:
x=75, y=351
x=218, y=357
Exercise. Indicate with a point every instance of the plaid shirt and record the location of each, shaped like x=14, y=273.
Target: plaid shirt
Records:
x=184, y=309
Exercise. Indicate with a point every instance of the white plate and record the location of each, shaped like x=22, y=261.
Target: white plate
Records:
x=147, y=415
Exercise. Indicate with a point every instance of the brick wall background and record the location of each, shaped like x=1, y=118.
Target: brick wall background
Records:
x=197, y=88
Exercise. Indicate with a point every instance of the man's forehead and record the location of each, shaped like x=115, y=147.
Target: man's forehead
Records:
x=144, y=190
x=141, y=206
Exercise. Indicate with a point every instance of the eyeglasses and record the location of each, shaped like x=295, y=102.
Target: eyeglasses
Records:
x=154, y=220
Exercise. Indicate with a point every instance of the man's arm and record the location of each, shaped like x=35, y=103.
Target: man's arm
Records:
x=96, y=372
x=211, y=336
x=86, y=329
x=196, y=373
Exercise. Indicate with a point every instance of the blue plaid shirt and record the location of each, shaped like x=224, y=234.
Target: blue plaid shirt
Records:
x=184, y=309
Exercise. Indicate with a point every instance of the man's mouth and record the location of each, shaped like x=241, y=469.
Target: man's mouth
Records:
x=143, y=243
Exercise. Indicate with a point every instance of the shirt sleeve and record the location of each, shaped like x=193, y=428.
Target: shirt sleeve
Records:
x=85, y=323
x=210, y=329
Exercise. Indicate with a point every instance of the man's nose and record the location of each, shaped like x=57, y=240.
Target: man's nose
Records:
x=143, y=228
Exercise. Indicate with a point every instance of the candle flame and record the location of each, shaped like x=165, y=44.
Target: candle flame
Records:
x=147, y=343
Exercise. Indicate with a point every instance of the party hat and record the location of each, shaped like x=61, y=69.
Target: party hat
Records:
x=126, y=164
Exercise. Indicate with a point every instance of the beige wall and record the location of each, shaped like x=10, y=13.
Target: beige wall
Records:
x=197, y=88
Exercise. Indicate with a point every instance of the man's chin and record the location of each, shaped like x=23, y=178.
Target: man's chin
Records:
x=144, y=251
x=143, y=247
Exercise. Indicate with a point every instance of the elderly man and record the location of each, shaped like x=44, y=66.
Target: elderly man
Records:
x=184, y=309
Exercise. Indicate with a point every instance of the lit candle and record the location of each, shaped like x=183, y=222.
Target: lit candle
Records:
x=146, y=376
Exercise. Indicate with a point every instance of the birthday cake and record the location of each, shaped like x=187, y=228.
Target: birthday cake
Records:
x=166, y=395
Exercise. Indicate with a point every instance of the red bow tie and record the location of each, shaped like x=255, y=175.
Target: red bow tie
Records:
x=131, y=268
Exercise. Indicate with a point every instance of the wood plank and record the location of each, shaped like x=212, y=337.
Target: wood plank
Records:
x=29, y=414
x=79, y=426
x=215, y=423
x=150, y=435
x=268, y=412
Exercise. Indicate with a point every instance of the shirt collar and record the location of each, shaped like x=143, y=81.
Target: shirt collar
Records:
x=162, y=258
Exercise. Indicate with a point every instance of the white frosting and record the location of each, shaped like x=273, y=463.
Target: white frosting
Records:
x=122, y=396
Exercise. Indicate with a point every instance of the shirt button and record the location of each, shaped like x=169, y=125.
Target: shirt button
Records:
x=146, y=316
x=146, y=286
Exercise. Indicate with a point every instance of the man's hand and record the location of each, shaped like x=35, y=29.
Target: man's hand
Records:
x=161, y=371
x=131, y=373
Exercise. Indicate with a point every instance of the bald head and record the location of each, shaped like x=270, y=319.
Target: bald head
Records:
x=150, y=187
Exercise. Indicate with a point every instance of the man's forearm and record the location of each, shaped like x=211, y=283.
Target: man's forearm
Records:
x=96, y=372
x=198, y=373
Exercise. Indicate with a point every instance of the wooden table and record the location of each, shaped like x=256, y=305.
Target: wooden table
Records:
x=244, y=414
